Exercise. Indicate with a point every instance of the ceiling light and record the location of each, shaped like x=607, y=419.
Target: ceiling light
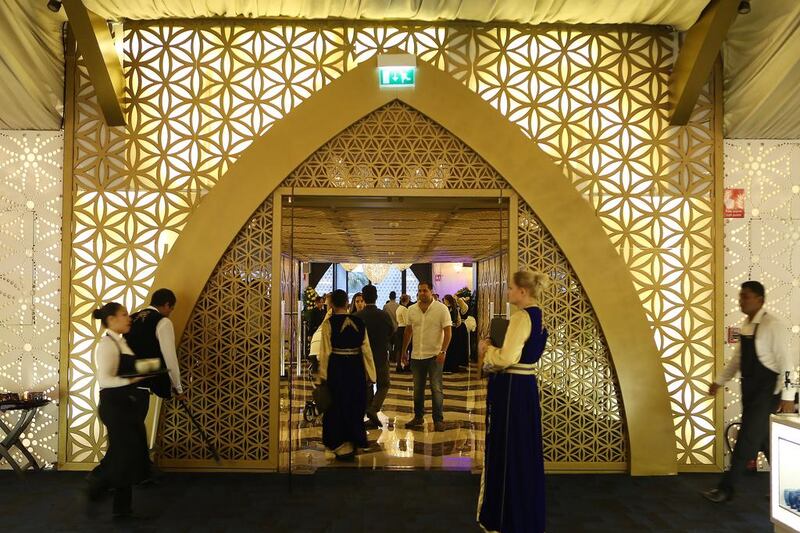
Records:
x=744, y=7
x=54, y=5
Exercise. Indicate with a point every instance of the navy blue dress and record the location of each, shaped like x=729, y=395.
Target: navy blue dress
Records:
x=343, y=422
x=512, y=488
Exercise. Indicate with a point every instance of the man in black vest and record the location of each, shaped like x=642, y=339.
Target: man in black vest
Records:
x=762, y=356
x=152, y=335
x=379, y=330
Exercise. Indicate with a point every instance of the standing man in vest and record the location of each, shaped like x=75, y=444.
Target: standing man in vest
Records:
x=153, y=335
x=762, y=356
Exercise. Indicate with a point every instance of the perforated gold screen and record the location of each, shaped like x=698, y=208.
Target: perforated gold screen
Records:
x=595, y=99
x=225, y=356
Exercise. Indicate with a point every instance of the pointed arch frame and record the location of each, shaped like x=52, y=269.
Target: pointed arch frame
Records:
x=531, y=173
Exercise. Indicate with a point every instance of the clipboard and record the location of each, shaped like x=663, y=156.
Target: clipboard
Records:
x=497, y=331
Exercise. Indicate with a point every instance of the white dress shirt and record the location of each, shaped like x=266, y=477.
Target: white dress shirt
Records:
x=165, y=333
x=519, y=329
x=106, y=359
x=772, y=349
x=428, y=329
x=402, y=316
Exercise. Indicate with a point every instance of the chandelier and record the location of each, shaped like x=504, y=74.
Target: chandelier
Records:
x=376, y=272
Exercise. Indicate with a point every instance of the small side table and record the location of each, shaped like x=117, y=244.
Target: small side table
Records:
x=29, y=410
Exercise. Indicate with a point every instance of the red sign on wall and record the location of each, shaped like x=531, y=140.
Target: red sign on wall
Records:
x=733, y=335
x=734, y=203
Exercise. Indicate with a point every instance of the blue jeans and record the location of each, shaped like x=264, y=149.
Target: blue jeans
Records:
x=421, y=369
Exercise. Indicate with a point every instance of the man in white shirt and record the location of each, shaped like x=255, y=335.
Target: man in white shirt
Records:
x=430, y=326
x=762, y=356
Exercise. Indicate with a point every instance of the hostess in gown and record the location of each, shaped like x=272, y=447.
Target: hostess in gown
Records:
x=346, y=365
x=512, y=498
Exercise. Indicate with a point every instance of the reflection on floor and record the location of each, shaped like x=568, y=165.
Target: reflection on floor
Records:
x=459, y=447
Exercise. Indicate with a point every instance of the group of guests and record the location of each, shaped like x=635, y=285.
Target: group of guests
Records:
x=426, y=338
x=458, y=351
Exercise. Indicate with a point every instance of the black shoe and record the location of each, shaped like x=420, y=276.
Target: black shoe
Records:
x=415, y=423
x=154, y=476
x=717, y=495
x=438, y=426
x=373, y=422
x=96, y=488
x=347, y=457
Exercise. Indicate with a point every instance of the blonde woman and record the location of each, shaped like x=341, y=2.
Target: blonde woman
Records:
x=512, y=497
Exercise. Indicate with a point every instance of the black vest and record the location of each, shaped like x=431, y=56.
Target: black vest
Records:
x=144, y=343
x=756, y=378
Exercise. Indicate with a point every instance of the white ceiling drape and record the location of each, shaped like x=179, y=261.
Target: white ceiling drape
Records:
x=31, y=66
x=762, y=72
x=762, y=67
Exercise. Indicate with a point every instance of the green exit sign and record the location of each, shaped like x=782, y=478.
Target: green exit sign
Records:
x=397, y=76
x=397, y=70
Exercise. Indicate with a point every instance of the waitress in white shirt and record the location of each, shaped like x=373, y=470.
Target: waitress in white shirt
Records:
x=126, y=460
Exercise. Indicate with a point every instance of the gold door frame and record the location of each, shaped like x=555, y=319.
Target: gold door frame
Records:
x=533, y=175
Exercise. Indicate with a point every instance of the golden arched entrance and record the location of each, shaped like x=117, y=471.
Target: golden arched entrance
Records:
x=537, y=181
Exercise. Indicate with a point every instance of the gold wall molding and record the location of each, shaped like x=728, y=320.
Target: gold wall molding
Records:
x=262, y=167
x=200, y=92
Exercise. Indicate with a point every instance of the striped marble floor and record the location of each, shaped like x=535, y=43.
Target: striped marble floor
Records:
x=459, y=447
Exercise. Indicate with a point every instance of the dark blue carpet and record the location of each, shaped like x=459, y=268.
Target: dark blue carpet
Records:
x=350, y=501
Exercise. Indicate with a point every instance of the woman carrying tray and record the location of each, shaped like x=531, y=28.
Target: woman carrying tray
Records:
x=126, y=460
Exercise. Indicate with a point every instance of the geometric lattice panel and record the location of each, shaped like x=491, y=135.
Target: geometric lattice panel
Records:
x=225, y=355
x=582, y=418
x=765, y=244
x=595, y=99
x=579, y=389
x=30, y=277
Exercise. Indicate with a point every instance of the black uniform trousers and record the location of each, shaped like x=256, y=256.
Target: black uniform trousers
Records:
x=126, y=460
x=758, y=402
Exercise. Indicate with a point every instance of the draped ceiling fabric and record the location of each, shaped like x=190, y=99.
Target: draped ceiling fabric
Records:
x=762, y=72
x=32, y=57
x=31, y=66
x=761, y=66
x=678, y=13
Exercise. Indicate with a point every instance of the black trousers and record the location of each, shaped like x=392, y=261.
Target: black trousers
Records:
x=126, y=460
x=398, y=346
x=757, y=406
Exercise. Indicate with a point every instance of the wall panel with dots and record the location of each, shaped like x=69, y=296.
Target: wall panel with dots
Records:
x=30, y=276
x=764, y=245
